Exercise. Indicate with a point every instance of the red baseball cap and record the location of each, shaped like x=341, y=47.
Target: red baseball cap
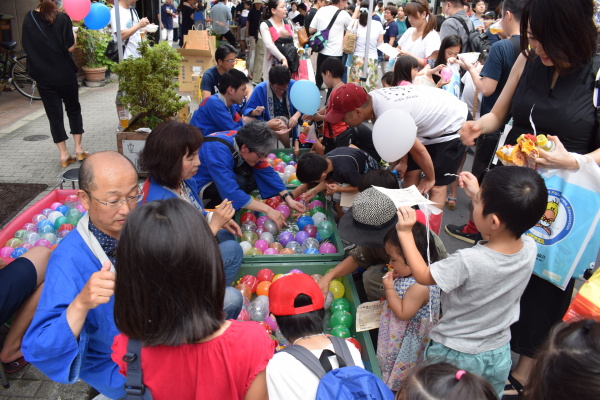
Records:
x=283, y=293
x=343, y=100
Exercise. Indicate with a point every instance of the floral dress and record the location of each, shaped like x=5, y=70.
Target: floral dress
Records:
x=401, y=344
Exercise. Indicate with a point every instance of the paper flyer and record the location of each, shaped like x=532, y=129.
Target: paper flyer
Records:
x=405, y=197
x=388, y=50
x=367, y=315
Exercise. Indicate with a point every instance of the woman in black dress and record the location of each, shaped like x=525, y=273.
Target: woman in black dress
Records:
x=48, y=40
x=557, y=76
x=187, y=10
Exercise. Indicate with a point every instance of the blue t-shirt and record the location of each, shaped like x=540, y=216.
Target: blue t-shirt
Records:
x=401, y=27
x=167, y=19
x=210, y=80
x=390, y=31
x=497, y=67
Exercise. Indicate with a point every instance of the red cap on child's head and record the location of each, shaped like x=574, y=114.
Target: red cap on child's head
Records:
x=283, y=293
x=343, y=100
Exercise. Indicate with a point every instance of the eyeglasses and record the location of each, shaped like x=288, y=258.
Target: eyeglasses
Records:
x=230, y=61
x=278, y=88
x=261, y=156
x=119, y=203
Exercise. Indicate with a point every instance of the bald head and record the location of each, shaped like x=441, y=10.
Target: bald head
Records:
x=105, y=162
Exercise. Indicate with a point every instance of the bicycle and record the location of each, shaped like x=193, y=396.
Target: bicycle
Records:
x=14, y=71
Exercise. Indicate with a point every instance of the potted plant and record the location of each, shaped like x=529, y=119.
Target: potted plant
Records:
x=92, y=44
x=150, y=84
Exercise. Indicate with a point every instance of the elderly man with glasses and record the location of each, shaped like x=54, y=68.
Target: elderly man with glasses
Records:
x=232, y=165
x=72, y=331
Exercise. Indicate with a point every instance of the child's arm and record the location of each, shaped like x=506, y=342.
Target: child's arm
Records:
x=335, y=188
x=416, y=296
x=407, y=217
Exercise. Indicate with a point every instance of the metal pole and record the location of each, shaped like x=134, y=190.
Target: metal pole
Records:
x=118, y=22
x=363, y=78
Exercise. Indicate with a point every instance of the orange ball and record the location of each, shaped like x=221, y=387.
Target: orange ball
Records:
x=263, y=288
x=245, y=289
x=287, y=251
x=277, y=161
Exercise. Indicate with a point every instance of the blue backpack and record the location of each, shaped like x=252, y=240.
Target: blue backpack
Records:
x=347, y=382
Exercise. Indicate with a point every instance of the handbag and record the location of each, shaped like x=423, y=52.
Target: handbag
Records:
x=112, y=48
x=350, y=38
x=318, y=41
x=302, y=37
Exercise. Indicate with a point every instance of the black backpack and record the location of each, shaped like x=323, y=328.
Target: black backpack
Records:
x=477, y=42
x=287, y=48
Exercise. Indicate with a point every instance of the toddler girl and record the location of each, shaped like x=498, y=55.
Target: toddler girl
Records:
x=409, y=312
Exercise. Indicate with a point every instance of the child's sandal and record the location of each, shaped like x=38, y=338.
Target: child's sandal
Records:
x=451, y=203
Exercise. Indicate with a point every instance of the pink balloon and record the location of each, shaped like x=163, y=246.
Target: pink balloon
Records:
x=77, y=9
x=261, y=244
x=285, y=210
x=446, y=74
x=268, y=252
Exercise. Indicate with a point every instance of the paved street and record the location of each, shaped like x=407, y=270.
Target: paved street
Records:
x=37, y=162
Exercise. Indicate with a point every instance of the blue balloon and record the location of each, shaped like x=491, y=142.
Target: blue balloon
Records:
x=305, y=96
x=98, y=17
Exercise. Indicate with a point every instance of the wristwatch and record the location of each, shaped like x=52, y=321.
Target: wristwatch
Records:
x=285, y=195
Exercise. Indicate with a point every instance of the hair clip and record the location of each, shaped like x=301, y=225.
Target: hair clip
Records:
x=459, y=374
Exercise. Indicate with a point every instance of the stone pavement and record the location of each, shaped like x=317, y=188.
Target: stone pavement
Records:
x=37, y=162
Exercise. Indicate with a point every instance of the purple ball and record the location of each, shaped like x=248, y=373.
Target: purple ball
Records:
x=46, y=211
x=302, y=236
x=285, y=237
x=327, y=248
x=296, y=271
x=270, y=251
x=315, y=203
x=311, y=230
x=292, y=163
x=271, y=323
x=260, y=230
x=271, y=156
x=260, y=221
x=285, y=210
x=261, y=244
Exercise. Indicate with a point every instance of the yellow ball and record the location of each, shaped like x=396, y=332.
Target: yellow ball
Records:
x=292, y=177
x=276, y=277
x=338, y=289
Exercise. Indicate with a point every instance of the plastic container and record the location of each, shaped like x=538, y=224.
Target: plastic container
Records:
x=290, y=152
x=369, y=356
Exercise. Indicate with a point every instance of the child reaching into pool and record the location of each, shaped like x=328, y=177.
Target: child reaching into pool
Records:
x=409, y=312
x=482, y=285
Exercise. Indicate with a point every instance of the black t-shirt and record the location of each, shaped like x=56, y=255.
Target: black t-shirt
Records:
x=254, y=21
x=48, y=59
x=299, y=19
x=309, y=17
x=349, y=165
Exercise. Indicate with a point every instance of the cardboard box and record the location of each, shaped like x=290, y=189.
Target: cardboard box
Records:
x=198, y=56
x=197, y=93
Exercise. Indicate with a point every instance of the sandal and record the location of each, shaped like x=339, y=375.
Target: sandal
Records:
x=451, y=203
x=514, y=385
x=82, y=156
x=67, y=162
x=14, y=366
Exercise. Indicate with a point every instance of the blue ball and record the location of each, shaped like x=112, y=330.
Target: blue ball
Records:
x=18, y=252
x=62, y=209
x=45, y=222
x=311, y=250
x=305, y=220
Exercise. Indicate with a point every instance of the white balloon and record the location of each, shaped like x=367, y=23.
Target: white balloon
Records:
x=394, y=134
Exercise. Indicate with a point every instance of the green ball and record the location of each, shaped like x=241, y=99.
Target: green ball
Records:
x=59, y=222
x=340, y=304
x=341, y=318
x=281, y=154
x=295, y=182
x=319, y=197
x=340, y=331
x=250, y=236
x=316, y=209
x=286, y=158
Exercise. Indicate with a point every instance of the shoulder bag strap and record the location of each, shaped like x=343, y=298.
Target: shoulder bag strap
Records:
x=308, y=359
x=464, y=24
x=333, y=19
x=53, y=45
x=134, y=382
x=234, y=152
x=340, y=346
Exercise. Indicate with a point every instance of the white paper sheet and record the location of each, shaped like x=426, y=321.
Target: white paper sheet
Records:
x=388, y=50
x=405, y=197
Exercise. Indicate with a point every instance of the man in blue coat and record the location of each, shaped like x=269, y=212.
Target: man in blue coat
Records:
x=72, y=332
x=232, y=164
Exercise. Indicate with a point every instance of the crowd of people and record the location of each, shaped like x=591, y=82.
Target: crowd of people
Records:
x=149, y=265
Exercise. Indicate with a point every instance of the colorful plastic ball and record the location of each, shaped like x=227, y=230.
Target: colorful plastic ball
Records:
x=281, y=154
x=325, y=229
x=244, y=316
x=59, y=221
x=262, y=245
x=20, y=233
x=341, y=331
x=316, y=277
x=245, y=302
x=46, y=229
x=249, y=280
x=279, y=168
x=304, y=221
x=287, y=251
x=296, y=271
x=286, y=158
x=27, y=246
x=250, y=237
x=267, y=236
x=55, y=205
x=271, y=156
x=18, y=252
x=255, y=251
x=315, y=210
x=310, y=242
x=289, y=169
x=46, y=211
x=310, y=250
x=273, y=201
x=285, y=237
x=292, y=178
x=248, y=226
x=356, y=343
x=319, y=217
x=42, y=242
x=62, y=209
x=71, y=200
x=315, y=203
x=31, y=237
x=328, y=300
x=66, y=227
x=340, y=304
x=266, y=326
x=284, y=209
x=337, y=288
x=244, y=289
x=6, y=251
x=341, y=317
x=277, y=161
x=327, y=248
x=269, y=320
x=301, y=236
x=277, y=246
x=277, y=277
x=49, y=236
x=260, y=221
x=54, y=215
x=258, y=310
x=335, y=279
x=81, y=208
x=295, y=246
x=263, y=288
x=38, y=218
x=248, y=217
x=260, y=230
x=271, y=226
x=270, y=252
x=53, y=246
x=44, y=222
x=265, y=274
x=73, y=213
x=295, y=182
x=62, y=234
x=311, y=230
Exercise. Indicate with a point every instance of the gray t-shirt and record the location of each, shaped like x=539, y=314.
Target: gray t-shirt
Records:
x=451, y=26
x=220, y=12
x=481, y=289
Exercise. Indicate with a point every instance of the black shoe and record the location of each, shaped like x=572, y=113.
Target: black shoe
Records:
x=456, y=232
